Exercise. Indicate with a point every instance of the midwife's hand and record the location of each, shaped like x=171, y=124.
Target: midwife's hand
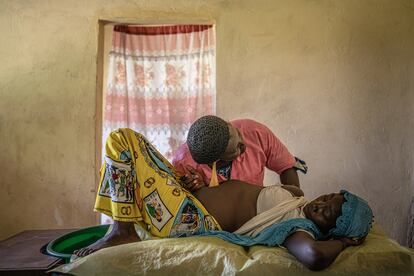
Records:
x=192, y=180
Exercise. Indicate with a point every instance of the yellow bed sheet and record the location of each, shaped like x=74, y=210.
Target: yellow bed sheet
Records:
x=379, y=255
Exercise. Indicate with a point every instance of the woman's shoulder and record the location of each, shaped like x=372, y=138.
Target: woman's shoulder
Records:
x=294, y=190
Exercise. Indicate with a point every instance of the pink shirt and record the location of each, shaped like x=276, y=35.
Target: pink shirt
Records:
x=263, y=149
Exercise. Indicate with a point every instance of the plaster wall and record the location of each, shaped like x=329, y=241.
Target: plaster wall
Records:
x=333, y=79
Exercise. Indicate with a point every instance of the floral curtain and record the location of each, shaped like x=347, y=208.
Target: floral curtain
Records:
x=160, y=79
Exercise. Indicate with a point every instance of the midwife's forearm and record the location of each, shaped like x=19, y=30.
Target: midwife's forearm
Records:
x=290, y=177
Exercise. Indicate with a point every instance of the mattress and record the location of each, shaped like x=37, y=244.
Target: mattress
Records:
x=378, y=255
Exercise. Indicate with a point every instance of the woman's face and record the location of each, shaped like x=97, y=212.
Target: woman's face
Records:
x=324, y=210
x=236, y=145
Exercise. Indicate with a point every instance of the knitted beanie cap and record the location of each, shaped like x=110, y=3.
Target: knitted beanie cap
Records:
x=207, y=139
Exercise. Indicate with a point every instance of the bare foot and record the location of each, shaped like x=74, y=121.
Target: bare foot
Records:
x=122, y=233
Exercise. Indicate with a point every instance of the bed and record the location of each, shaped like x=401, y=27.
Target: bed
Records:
x=379, y=255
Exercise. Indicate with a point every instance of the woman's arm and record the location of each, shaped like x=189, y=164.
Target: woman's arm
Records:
x=315, y=255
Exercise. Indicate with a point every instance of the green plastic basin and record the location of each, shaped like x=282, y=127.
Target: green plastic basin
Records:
x=63, y=246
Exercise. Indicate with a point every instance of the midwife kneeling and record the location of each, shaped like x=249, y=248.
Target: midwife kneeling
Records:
x=138, y=185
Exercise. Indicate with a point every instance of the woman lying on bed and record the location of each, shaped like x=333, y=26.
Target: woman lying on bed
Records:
x=139, y=186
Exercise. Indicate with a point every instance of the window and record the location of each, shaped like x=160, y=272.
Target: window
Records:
x=157, y=80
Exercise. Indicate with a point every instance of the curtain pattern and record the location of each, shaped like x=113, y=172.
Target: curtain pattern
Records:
x=160, y=79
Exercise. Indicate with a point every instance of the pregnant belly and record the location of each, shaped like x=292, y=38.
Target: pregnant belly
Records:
x=231, y=203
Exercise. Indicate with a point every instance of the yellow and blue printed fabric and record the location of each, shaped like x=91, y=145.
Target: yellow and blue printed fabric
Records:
x=139, y=185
